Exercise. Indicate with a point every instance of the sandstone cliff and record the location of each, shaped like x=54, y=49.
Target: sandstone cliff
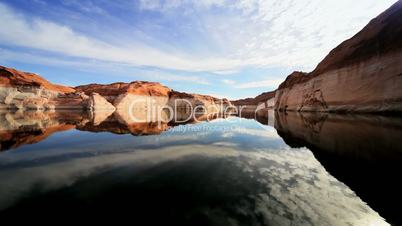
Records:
x=363, y=74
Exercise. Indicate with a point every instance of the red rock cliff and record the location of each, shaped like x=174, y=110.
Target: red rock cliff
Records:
x=363, y=74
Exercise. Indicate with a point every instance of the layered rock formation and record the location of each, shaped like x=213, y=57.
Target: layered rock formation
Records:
x=363, y=74
x=135, y=102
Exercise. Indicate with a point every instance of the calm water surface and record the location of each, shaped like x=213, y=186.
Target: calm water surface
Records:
x=290, y=169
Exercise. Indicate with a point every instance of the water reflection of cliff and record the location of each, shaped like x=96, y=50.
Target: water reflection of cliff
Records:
x=363, y=151
x=30, y=127
x=19, y=128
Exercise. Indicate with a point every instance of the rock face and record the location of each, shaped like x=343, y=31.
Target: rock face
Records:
x=28, y=91
x=363, y=74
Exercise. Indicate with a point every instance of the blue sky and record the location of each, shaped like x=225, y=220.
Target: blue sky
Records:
x=226, y=48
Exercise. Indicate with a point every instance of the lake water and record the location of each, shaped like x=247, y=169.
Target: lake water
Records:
x=287, y=169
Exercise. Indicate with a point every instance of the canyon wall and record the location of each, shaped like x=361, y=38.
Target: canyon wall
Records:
x=363, y=74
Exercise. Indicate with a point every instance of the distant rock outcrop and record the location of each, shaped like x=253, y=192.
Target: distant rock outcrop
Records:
x=264, y=97
x=259, y=105
x=363, y=74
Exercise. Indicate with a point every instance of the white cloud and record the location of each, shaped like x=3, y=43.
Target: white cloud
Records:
x=292, y=33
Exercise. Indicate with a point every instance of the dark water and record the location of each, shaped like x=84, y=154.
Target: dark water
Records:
x=290, y=169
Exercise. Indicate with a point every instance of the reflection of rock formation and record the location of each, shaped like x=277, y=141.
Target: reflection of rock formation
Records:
x=116, y=124
x=345, y=134
x=363, y=151
x=20, y=128
x=28, y=127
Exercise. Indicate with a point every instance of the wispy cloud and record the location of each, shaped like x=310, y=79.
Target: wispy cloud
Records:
x=276, y=32
x=246, y=33
x=46, y=35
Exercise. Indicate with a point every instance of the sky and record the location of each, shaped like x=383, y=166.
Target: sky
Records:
x=225, y=48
